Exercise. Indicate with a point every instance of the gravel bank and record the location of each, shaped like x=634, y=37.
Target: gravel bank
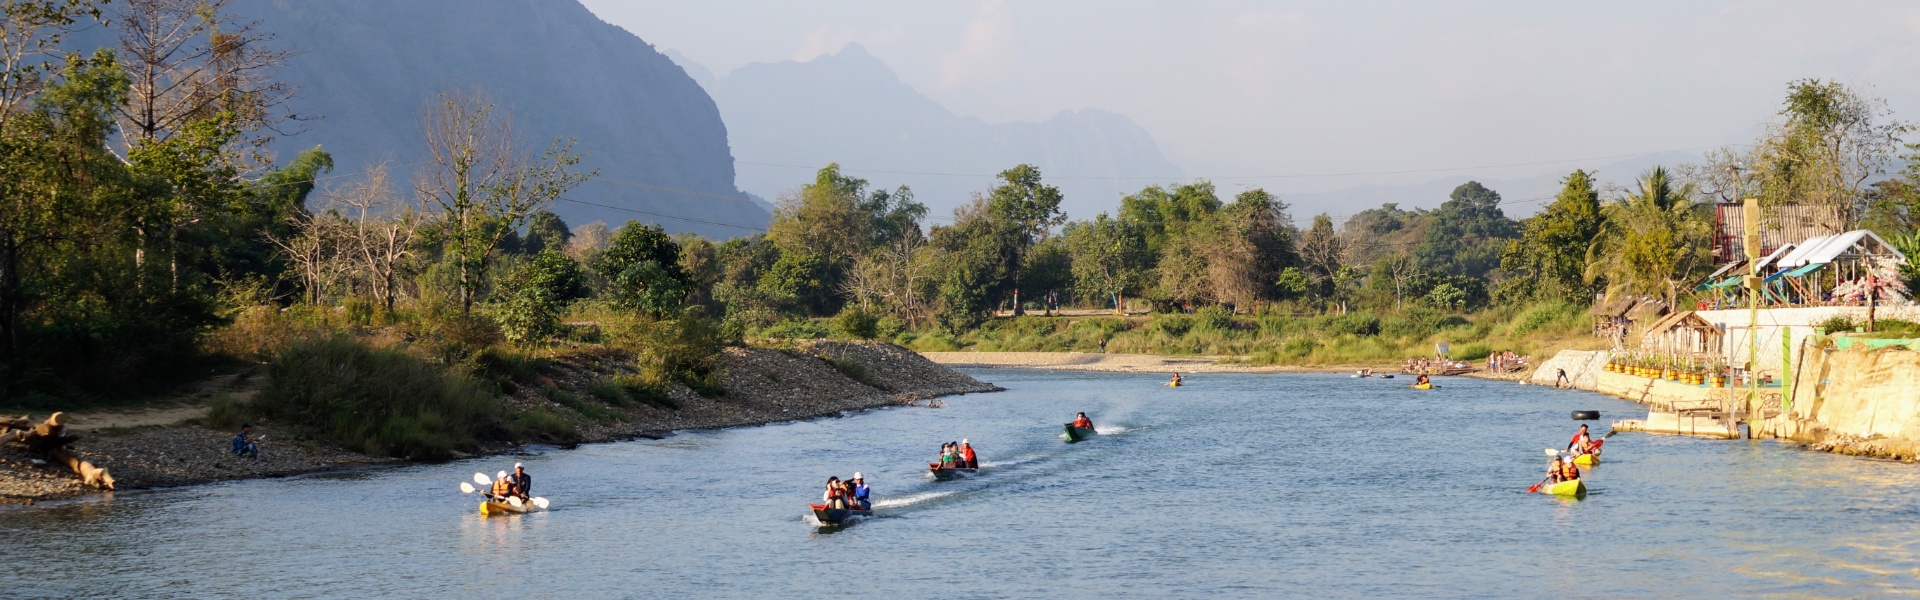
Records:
x=763, y=385
x=1125, y=363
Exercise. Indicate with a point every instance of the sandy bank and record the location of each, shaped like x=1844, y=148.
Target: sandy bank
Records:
x=165, y=447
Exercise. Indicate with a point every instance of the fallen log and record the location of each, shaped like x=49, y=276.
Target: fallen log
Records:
x=49, y=439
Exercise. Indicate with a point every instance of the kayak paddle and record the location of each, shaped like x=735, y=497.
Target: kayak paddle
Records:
x=481, y=478
x=466, y=488
x=540, y=502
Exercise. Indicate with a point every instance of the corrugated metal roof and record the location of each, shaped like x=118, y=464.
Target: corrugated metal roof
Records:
x=1826, y=248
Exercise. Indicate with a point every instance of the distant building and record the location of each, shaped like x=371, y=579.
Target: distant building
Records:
x=1780, y=225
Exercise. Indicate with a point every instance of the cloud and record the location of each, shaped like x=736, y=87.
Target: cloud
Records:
x=986, y=50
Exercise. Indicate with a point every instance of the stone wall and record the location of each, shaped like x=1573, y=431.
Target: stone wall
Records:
x=1863, y=394
x=1799, y=322
x=1582, y=367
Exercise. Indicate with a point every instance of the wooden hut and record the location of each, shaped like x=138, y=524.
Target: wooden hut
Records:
x=1683, y=334
x=1615, y=318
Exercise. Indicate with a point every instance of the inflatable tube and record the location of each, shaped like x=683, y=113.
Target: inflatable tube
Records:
x=1586, y=415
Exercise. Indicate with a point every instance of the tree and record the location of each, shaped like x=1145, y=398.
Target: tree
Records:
x=1109, y=258
x=1253, y=242
x=1893, y=204
x=1027, y=210
x=1550, y=256
x=189, y=61
x=545, y=231
x=542, y=287
x=1321, y=250
x=31, y=32
x=1466, y=234
x=642, y=269
x=824, y=218
x=1831, y=141
x=485, y=185
x=383, y=230
x=1654, y=240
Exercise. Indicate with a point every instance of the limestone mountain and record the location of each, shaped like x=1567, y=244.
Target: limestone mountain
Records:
x=369, y=67
x=787, y=118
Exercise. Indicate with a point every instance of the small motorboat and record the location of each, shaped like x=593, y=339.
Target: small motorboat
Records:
x=945, y=473
x=1572, y=489
x=837, y=516
x=1075, y=434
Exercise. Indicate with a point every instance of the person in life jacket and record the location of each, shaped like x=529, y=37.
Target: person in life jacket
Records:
x=1559, y=469
x=1422, y=380
x=1176, y=379
x=502, y=488
x=522, y=482
x=1581, y=442
x=1080, y=420
x=967, y=457
x=836, y=496
x=862, y=495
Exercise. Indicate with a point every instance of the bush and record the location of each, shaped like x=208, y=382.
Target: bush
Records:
x=797, y=329
x=226, y=413
x=1542, y=316
x=1473, y=351
x=851, y=369
x=379, y=401
x=1213, y=318
x=1836, y=323
x=857, y=324
x=1172, y=325
x=1360, y=324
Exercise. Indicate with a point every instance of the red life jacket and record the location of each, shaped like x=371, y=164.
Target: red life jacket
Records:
x=968, y=452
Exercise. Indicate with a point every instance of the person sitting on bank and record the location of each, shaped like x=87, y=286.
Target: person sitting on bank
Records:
x=967, y=457
x=1581, y=442
x=1081, y=421
x=862, y=496
x=522, y=482
x=244, y=444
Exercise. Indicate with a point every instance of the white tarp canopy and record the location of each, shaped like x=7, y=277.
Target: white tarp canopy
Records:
x=1783, y=251
x=1823, y=249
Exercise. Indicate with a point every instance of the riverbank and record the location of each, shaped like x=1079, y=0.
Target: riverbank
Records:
x=1126, y=363
x=171, y=446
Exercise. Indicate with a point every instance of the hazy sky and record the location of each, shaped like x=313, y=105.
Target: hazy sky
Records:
x=1239, y=88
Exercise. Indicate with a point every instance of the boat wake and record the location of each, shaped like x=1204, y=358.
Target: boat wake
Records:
x=910, y=500
x=1110, y=429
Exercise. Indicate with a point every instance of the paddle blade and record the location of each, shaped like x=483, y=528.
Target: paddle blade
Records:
x=540, y=502
x=1610, y=433
x=1535, y=487
x=481, y=478
x=466, y=488
x=515, y=501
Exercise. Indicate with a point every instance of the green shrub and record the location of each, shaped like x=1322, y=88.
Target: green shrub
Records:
x=857, y=324
x=1172, y=325
x=500, y=363
x=1542, y=316
x=590, y=410
x=1361, y=324
x=1298, y=348
x=1213, y=318
x=852, y=370
x=226, y=413
x=1473, y=351
x=379, y=401
x=1836, y=323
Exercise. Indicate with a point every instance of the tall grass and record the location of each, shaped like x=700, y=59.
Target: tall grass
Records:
x=380, y=401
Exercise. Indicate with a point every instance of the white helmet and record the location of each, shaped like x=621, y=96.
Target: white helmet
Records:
x=502, y=475
x=856, y=475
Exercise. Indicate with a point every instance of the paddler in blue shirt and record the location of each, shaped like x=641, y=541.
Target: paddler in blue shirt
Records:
x=861, y=492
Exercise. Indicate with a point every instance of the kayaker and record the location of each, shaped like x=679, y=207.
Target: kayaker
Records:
x=502, y=487
x=522, y=482
x=1559, y=470
x=1580, y=442
x=1422, y=380
x=967, y=458
x=1176, y=379
x=1081, y=421
x=244, y=444
x=861, y=494
x=836, y=496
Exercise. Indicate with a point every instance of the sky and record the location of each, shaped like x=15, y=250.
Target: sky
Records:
x=1304, y=97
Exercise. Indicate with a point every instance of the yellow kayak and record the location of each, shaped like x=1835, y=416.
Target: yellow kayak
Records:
x=1587, y=460
x=1173, y=384
x=1573, y=488
x=490, y=508
x=1422, y=386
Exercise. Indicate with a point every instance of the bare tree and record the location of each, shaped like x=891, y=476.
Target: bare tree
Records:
x=484, y=185
x=316, y=249
x=380, y=229
x=30, y=36
x=190, y=62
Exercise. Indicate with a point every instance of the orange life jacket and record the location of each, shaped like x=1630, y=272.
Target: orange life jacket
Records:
x=502, y=488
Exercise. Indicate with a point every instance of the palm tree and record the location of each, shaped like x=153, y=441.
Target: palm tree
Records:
x=1653, y=242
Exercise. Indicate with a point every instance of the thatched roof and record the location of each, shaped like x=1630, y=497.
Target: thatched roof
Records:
x=1613, y=307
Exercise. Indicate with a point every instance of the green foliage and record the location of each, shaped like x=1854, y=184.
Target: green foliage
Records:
x=1473, y=351
x=857, y=324
x=545, y=232
x=1550, y=256
x=642, y=269
x=379, y=401
x=226, y=413
x=541, y=289
x=798, y=329
x=685, y=350
x=1359, y=324
x=1654, y=242
x=852, y=369
x=1836, y=323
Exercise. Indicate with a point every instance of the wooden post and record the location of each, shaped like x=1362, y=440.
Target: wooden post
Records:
x=1751, y=214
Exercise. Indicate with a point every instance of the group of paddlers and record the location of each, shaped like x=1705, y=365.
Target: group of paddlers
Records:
x=1561, y=467
x=958, y=455
x=516, y=485
x=851, y=494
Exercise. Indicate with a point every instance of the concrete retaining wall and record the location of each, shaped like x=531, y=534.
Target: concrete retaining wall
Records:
x=1799, y=322
x=1855, y=393
x=1582, y=367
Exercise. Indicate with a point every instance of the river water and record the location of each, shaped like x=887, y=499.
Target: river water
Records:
x=1236, y=485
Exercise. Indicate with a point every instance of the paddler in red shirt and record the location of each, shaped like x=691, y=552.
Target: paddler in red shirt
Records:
x=966, y=455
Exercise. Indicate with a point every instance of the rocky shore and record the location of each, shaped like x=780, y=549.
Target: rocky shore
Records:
x=763, y=385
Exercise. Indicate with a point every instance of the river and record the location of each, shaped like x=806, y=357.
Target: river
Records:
x=1291, y=485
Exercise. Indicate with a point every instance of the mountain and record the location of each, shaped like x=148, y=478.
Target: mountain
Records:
x=368, y=68
x=788, y=119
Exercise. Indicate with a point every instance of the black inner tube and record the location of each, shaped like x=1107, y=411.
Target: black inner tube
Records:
x=1586, y=415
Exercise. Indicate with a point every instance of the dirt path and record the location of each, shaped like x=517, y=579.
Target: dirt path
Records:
x=187, y=405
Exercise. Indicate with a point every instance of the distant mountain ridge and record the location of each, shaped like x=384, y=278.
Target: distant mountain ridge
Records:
x=788, y=118
x=369, y=67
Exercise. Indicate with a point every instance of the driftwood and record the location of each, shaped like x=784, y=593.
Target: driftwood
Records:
x=49, y=439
